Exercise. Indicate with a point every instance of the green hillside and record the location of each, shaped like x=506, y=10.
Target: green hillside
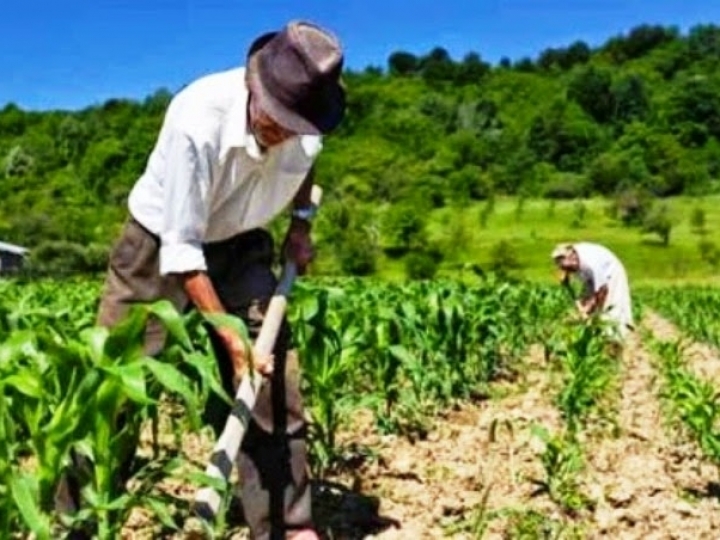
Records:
x=531, y=230
x=426, y=136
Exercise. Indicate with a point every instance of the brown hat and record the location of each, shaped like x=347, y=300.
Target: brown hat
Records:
x=295, y=76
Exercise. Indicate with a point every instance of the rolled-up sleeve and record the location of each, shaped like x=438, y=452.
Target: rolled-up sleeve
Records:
x=311, y=145
x=185, y=206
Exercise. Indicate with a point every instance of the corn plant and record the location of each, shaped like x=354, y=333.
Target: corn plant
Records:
x=478, y=522
x=403, y=351
x=532, y=525
x=65, y=394
x=327, y=354
x=694, y=401
x=692, y=308
x=589, y=372
x=562, y=461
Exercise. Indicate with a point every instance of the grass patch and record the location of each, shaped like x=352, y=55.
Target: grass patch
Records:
x=533, y=227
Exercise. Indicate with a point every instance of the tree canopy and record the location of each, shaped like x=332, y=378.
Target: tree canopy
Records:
x=641, y=111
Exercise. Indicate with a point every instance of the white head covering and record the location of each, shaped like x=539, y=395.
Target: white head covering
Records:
x=561, y=251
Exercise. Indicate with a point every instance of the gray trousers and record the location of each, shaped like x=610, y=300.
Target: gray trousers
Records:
x=273, y=458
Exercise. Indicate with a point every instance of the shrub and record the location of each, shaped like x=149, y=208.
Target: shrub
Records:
x=697, y=220
x=64, y=258
x=422, y=264
x=658, y=222
x=357, y=253
x=487, y=210
x=579, y=213
x=566, y=186
x=402, y=225
x=709, y=252
x=503, y=257
x=632, y=206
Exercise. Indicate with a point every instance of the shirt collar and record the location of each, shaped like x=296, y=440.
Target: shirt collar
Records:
x=235, y=133
x=253, y=148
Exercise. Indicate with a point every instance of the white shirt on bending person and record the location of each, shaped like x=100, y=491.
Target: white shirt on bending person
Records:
x=600, y=267
x=207, y=180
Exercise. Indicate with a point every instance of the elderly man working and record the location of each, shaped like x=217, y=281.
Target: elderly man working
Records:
x=605, y=284
x=235, y=149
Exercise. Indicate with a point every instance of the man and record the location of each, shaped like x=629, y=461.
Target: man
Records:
x=235, y=149
x=606, y=290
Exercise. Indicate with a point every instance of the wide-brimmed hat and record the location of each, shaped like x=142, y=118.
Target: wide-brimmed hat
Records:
x=295, y=76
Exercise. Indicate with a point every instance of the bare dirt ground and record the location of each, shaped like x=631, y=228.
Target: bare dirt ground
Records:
x=475, y=469
x=703, y=359
x=645, y=482
x=642, y=477
x=428, y=486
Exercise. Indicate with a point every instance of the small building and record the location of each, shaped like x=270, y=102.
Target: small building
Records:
x=12, y=257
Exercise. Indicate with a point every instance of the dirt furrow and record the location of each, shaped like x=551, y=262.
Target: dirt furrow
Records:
x=429, y=485
x=632, y=478
x=703, y=359
x=422, y=489
x=646, y=481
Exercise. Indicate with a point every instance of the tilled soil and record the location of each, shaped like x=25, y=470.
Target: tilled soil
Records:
x=478, y=469
x=434, y=486
x=703, y=359
x=641, y=476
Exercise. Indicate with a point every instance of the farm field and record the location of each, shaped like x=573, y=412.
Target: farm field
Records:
x=438, y=410
x=452, y=391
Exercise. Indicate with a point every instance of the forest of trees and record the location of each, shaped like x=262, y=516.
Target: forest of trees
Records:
x=637, y=114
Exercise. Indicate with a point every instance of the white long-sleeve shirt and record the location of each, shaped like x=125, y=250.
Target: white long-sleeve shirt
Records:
x=207, y=180
x=600, y=267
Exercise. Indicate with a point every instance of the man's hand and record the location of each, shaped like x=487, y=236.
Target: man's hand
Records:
x=585, y=307
x=298, y=244
x=581, y=309
x=238, y=356
x=601, y=297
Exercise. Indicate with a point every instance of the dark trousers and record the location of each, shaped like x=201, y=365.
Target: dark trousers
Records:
x=273, y=457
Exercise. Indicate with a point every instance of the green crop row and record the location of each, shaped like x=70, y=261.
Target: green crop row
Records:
x=402, y=351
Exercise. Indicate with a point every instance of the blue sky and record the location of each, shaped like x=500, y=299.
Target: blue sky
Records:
x=70, y=54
